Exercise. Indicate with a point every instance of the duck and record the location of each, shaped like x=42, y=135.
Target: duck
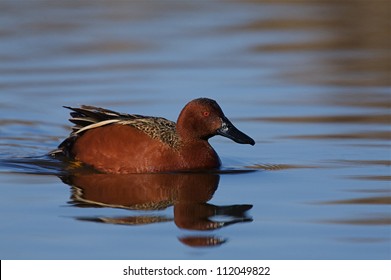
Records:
x=120, y=143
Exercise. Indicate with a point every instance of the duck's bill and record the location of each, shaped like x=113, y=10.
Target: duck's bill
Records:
x=228, y=130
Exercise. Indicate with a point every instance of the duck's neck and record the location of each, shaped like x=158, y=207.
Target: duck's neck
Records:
x=199, y=154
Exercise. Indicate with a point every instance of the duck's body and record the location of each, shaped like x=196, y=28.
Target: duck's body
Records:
x=112, y=142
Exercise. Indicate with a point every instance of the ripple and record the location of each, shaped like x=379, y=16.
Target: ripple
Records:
x=369, y=135
x=338, y=119
x=365, y=162
x=43, y=165
x=374, y=221
x=47, y=165
x=371, y=177
x=273, y=167
x=366, y=200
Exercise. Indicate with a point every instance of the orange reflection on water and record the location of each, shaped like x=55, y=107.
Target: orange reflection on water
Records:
x=188, y=193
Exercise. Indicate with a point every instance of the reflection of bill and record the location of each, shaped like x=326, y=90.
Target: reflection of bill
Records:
x=188, y=193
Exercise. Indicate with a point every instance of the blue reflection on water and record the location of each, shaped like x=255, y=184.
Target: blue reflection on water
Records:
x=275, y=69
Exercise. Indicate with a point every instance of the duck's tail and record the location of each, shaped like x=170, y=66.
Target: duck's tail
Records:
x=84, y=118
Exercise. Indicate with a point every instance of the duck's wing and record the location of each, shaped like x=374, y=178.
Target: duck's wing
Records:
x=88, y=117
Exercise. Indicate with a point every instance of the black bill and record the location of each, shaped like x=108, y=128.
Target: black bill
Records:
x=228, y=130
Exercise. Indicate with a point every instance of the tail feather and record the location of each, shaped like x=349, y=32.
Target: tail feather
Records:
x=84, y=117
x=95, y=114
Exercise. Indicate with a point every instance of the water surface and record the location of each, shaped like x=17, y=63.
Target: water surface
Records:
x=310, y=82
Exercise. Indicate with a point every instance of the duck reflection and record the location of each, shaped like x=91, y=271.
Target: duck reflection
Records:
x=188, y=193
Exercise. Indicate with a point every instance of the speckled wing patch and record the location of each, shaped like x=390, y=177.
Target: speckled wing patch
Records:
x=157, y=128
x=89, y=117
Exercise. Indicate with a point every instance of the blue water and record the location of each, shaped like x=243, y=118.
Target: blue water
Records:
x=309, y=82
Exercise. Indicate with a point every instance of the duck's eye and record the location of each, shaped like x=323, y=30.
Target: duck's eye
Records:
x=205, y=114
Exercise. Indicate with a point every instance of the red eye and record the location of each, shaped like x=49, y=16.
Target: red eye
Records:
x=206, y=114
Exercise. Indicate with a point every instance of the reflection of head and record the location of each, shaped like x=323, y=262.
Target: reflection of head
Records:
x=188, y=193
x=202, y=241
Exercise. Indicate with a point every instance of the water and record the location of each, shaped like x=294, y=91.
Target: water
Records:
x=310, y=82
